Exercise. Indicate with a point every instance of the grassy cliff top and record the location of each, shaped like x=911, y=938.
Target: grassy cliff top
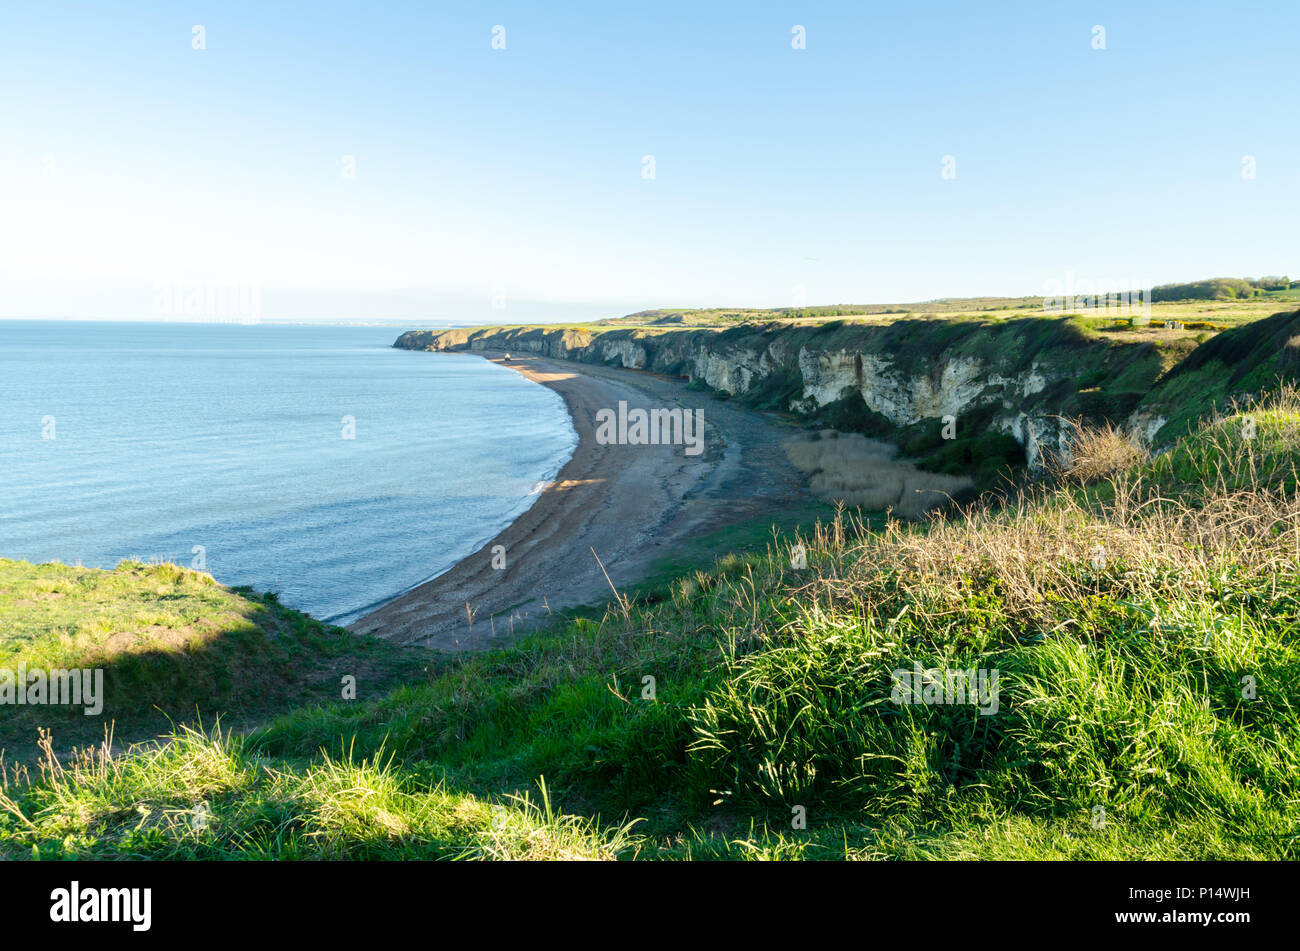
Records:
x=1199, y=302
x=1140, y=616
x=172, y=644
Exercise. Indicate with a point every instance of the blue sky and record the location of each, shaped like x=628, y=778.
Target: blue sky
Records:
x=130, y=160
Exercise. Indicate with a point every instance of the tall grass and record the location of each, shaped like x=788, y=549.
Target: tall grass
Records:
x=1143, y=638
x=206, y=795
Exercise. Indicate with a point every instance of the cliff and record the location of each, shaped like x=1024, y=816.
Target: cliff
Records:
x=1009, y=385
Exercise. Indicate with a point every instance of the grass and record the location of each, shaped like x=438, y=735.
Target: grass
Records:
x=1227, y=370
x=206, y=796
x=1141, y=617
x=1223, y=313
x=172, y=642
x=1100, y=452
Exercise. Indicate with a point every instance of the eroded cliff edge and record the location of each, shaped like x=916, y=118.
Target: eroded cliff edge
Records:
x=1010, y=386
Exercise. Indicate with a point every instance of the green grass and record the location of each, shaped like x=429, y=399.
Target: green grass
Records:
x=206, y=796
x=1143, y=628
x=172, y=643
x=1226, y=370
x=1201, y=302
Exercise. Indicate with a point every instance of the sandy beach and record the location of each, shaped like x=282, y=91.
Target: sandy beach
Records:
x=628, y=503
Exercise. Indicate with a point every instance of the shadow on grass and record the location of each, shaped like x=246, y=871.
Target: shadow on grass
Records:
x=264, y=660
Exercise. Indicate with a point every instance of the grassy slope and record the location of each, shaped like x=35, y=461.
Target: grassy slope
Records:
x=172, y=642
x=1122, y=617
x=1232, y=365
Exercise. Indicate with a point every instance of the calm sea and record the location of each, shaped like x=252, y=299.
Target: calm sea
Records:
x=313, y=461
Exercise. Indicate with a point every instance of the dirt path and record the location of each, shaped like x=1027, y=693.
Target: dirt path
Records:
x=630, y=503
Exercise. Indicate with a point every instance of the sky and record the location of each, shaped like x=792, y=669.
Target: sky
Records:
x=386, y=161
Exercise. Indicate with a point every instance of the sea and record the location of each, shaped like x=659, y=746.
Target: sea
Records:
x=313, y=461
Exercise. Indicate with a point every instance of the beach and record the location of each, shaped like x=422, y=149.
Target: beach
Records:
x=610, y=514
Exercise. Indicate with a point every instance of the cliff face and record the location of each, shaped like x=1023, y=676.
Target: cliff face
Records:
x=1019, y=379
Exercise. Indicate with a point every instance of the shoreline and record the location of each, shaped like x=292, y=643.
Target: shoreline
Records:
x=353, y=617
x=624, y=501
